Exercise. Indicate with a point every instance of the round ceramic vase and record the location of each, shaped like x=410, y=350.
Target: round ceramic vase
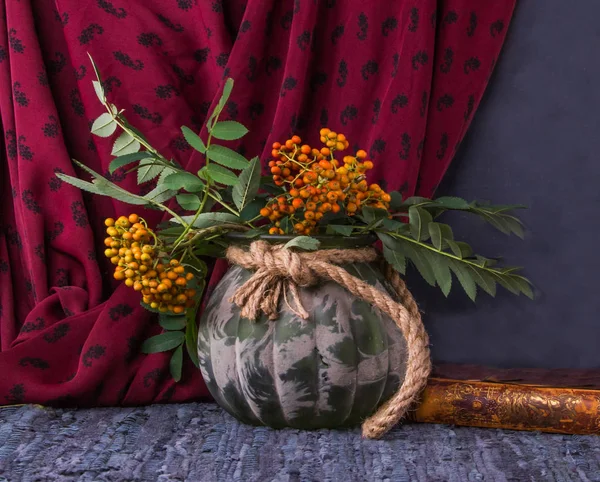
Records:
x=331, y=370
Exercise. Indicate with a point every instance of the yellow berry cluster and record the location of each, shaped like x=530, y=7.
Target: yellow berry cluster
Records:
x=130, y=245
x=316, y=182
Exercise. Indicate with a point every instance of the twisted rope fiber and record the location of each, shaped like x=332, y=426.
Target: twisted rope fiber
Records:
x=278, y=270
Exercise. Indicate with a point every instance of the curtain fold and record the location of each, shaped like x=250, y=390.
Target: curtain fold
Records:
x=402, y=79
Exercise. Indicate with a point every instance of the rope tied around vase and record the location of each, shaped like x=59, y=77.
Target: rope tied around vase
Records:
x=279, y=271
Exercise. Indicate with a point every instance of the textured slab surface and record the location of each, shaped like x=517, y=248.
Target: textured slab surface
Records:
x=200, y=442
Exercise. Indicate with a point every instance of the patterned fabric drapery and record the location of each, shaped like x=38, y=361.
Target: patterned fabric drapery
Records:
x=401, y=79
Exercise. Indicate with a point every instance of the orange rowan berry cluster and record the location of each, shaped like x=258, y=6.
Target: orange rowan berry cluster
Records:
x=130, y=246
x=316, y=182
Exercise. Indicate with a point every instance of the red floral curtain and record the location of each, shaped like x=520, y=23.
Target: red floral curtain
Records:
x=400, y=78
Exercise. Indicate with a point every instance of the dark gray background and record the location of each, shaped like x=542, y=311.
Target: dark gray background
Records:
x=535, y=140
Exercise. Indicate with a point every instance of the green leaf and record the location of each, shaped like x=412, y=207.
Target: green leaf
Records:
x=422, y=259
x=463, y=274
x=341, y=229
x=485, y=262
x=227, y=88
x=442, y=274
x=395, y=258
x=508, y=283
x=460, y=249
x=206, y=220
x=434, y=210
x=285, y=225
x=210, y=250
x=215, y=192
x=79, y=183
x=193, y=139
x=372, y=215
x=389, y=241
x=173, y=232
x=254, y=233
x=226, y=157
x=440, y=235
x=249, y=182
x=189, y=202
x=267, y=184
x=396, y=201
x=208, y=205
x=148, y=170
x=416, y=200
x=419, y=221
x=106, y=188
x=333, y=218
x=436, y=235
x=394, y=225
x=454, y=247
x=505, y=223
x=450, y=202
x=184, y=180
x=497, y=222
x=176, y=363
x=163, y=342
x=125, y=144
x=160, y=194
x=102, y=186
x=252, y=210
x=146, y=306
x=514, y=225
x=167, y=171
x=172, y=322
x=191, y=332
x=498, y=208
x=104, y=125
x=229, y=130
x=221, y=175
x=121, y=161
x=484, y=280
x=306, y=243
x=524, y=286
x=96, y=71
x=465, y=249
x=446, y=232
x=99, y=91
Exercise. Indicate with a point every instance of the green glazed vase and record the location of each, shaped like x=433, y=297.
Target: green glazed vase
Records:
x=332, y=370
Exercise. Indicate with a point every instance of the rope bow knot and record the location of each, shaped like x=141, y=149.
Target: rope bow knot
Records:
x=279, y=271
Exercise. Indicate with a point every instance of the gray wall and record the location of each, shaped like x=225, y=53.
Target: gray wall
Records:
x=535, y=140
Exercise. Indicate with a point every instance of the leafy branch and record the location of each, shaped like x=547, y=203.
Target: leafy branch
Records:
x=430, y=245
x=435, y=266
x=442, y=255
x=496, y=215
x=216, y=185
x=103, y=187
